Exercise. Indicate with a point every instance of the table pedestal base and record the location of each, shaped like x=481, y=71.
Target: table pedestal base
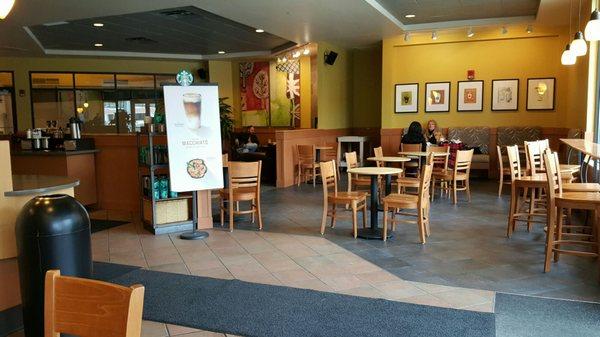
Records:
x=372, y=234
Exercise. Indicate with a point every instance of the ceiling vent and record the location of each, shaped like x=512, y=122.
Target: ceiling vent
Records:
x=177, y=13
x=141, y=40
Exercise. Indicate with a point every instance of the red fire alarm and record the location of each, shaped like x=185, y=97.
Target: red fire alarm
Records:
x=471, y=74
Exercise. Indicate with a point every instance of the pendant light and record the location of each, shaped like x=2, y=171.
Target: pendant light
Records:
x=592, y=29
x=5, y=7
x=578, y=45
x=568, y=58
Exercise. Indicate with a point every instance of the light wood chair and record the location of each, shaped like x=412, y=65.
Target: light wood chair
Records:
x=244, y=185
x=356, y=182
x=415, y=162
x=502, y=171
x=457, y=177
x=440, y=165
x=568, y=186
x=378, y=152
x=560, y=236
x=331, y=154
x=398, y=203
x=307, y=165
x=520, y=186
x=357, y=200
x=90, y=308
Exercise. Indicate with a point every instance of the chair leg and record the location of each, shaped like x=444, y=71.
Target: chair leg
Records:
x=364, y=216
x=433, y=188
x=427, y=214
x=333, y=215
x=531, y=210
x=299, y=174
x=558, y=232
x=231, y=215
x=468, y=186
x=354, y=220
x=324, y=218
x=454, y=198
x=314, y=176
x=501, y=182
x=253, y=207
x=512, y=210
x=550, y=240
x=222, y=207
x=259, y=214
x=420, y=225
x=385, y=221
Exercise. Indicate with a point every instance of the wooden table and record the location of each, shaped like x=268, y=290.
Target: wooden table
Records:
x=585, y=147
x=389, y=159
x=374, y=232
x=423, y=153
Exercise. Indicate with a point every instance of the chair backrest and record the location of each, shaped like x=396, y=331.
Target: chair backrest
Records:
x=351, y=161
x=90, y=308
x=533, y=153
x=554, y=186
x=244, y=175
x=378, y=152
x=410, y=147
x=425, y=179
x=440, y=161
x=328, y=176
x=306, y=153
x=329, y=154
x=463, y=161
x=514, y=162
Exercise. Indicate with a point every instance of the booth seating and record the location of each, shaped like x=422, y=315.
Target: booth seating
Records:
x=477, y=138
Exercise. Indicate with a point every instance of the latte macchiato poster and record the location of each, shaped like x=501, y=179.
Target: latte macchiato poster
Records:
x=194, y=137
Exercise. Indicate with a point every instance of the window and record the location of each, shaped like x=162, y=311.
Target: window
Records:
x=105, y=102
x=8, y=120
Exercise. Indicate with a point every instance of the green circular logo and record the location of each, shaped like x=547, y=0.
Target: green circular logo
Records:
x=184, y=78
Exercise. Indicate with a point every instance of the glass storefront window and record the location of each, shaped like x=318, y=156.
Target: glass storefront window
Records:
x=7, y=110
x=6, y=79
x=128, y=81
x=52, y=80
x=52, y=105
x=95, y=81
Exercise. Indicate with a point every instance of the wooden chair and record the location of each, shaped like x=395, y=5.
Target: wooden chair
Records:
x=378, y=152
x=398, y=203
x=355, y=181
x=415, y=163
x=521, y=183
x=244, y=185
x=502, y=171
x=357, y=200
x=458, y=177
x=307, y=165
x=90, y=308
x=225, y=159
x=559, y=235
x=331, y=154
x=440, y=164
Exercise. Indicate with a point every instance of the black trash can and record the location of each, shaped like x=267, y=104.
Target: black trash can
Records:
x=52, y=232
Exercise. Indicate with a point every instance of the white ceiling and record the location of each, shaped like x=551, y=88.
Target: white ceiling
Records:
x=348, y=23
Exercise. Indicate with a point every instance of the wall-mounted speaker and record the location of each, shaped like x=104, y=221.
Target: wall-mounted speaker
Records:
x=330, y=57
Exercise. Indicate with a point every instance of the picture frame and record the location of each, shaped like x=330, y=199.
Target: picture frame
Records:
x=437, y=97
x=541, y=93
x=505, y=94
x=469, y=96
x=406, y=98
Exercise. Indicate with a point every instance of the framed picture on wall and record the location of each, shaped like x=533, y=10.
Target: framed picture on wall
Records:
x=470, y=96
x=406, y=98
x=540, y=93
x=437, y=97
x=505, y=95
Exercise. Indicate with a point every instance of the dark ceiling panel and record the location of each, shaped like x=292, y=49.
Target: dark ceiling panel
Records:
x=432, y=11
x=185, y=30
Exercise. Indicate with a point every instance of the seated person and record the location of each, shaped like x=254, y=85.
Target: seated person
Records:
x=415, y=136
x=247, y=142
x=432, y=134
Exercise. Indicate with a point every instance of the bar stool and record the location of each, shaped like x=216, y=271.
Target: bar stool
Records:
x=520, y=183
x=560, y=235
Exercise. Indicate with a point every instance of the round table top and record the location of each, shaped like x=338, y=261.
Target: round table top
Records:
x=389, y=159
x=423, y=153
x=373, y=171
x=323, y=147
x=584, y=197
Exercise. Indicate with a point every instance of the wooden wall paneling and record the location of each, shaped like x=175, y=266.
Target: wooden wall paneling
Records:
x=390, y=141
x=83, y=167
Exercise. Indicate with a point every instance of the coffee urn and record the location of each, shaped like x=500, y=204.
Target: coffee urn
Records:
x=75, y=127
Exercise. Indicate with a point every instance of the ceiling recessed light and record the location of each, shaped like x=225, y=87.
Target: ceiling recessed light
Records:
x=259, y=30
x=98, y=24
x=98, y=45
x=409, y=16
x=221, y=52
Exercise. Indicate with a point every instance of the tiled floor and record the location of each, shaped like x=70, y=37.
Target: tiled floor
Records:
x=466, y=259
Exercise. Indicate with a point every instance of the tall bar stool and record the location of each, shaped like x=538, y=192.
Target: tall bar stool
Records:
x=520, y=185
x=560, y=235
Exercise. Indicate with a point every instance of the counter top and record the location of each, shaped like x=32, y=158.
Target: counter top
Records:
x=38, y=184
x=53, y=153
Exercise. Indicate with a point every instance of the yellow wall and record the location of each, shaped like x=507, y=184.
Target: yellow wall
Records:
x=23, y=65
x=366, y=87
x=334, y=88
x=516, y=55
x=305, y=92
x=221, y=72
